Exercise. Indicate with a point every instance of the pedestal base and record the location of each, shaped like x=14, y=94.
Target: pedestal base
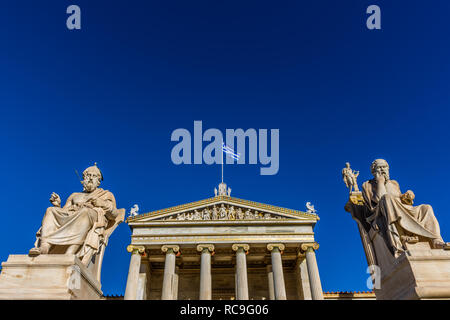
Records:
x=418, y=273
x=47, y=277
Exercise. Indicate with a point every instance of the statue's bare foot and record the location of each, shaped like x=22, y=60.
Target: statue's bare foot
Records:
x=34, y=252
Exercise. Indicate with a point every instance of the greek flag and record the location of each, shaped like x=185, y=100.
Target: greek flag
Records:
x=230, y=151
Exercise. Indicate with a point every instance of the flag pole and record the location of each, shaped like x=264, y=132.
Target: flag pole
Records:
x=222, y=162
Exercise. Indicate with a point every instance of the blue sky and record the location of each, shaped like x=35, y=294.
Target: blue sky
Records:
x=114, y=91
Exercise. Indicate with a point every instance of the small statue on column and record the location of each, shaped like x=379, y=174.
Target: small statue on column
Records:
x=349, y=176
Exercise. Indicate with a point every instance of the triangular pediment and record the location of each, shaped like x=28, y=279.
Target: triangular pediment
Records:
x=223, y=208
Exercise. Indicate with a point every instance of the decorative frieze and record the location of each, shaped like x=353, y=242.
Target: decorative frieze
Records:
x=223, y=212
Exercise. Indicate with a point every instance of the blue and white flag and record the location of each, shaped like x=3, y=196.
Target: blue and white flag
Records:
x=230, y=151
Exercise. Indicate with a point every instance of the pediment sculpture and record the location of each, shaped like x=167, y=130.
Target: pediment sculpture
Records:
x=222, y=212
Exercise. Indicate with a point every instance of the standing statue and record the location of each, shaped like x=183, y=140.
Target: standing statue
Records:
x=206, y=214
x=215, y=213
x=239, y=214
x=134, y=211
x=223, y=212
x=349, y=177
x=222, y=189
x=83, y=225
x=232, y=214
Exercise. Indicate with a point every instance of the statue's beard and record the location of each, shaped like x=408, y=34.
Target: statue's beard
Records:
x=383, y=173
x=89, y=186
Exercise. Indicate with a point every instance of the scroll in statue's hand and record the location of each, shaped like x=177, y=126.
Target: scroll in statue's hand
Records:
x=55, y=200
x=408, y=197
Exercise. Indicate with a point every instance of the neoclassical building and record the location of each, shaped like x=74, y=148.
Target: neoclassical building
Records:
x=223, y=248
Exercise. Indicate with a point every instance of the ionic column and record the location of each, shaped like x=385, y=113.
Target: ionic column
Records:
x=277, y=268
x=270, y=279
x=313, y=270
x=133, y=271
x=169, y=271
x=241, y=270
x=144, y=280
x=205, y=271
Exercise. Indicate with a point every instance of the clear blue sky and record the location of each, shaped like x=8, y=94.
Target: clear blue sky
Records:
x=114, y=91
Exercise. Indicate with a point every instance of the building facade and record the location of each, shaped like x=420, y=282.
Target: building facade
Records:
x=223, y=248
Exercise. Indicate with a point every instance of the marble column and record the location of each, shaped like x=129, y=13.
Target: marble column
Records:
x=301, y=272
x=270, y=281
x=241, y=270
x=131, y=290
x=176, y=278
x=205, y=271
x=313, y=270
x=144, y=280
x=169, y=271
x=277, y=268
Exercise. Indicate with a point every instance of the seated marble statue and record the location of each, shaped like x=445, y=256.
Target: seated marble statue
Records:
x=400, y=221
x=78, y=227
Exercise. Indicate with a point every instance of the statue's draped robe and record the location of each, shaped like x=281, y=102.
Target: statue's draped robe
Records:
x=415, y=220
x=76, y=224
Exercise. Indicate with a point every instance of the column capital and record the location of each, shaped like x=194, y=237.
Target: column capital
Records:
x=272, y=246
x=202, y=247
x=309, y=246
x=175, y=248
x=133, y=249
x=244, y=246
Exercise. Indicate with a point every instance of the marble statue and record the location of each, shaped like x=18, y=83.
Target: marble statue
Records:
x=404, y=221
x=349, y=176
x=206, y=214
x=222, y=189
x=231, y=213
x=215, y=213
x=223, y=212
x=310, y=208
x=197, y=215
x=134, y=210
x=83, y=225
x=229, y=192
x=239, y=214
x=383, y=209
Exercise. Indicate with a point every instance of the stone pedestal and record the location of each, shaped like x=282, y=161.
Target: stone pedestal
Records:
x=418, y=273
x=47, y=277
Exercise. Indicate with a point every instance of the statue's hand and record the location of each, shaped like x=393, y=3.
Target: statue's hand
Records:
x=98, y=202
x=55, y=200
x=380, y=178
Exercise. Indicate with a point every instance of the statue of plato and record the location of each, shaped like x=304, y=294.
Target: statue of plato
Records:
x=83, y=224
